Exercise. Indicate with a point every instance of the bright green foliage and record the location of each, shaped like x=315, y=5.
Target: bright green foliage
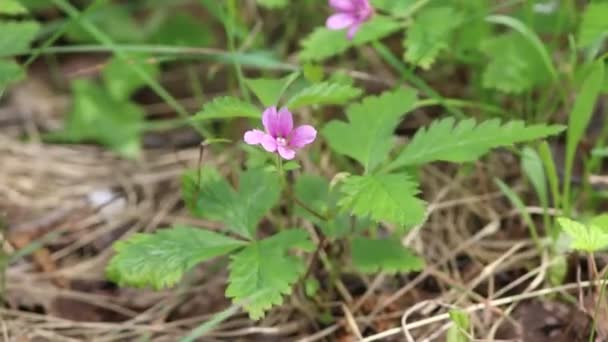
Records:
x=600, y=221
x=514, y=65
x=273, y=3
x=386, y=255
x=120, y=79
x=594, y=25
x=461, y=324
x=368, y=136
x=115, y=21
x=326, y=93
x=395, y=7
x=430, y=34
x=263, y=272
x=447, y=140
x=98, y=117
x=269, y=91
x=16, y=36
x=588, y=238
x=227, y=107
x=324, y=43
x=10, y=71
x=384, y=197
x=241, y=210
x=180, y=29
x=12, y=7
x=161, y=258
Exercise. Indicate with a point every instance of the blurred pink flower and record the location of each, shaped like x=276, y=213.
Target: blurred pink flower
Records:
x=280, y=136
x=349, y=14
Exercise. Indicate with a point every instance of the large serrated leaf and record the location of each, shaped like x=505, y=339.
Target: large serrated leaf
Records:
x=386, y=255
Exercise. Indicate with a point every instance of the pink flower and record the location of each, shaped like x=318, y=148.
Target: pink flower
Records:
x=349, y=14
x=280, y=136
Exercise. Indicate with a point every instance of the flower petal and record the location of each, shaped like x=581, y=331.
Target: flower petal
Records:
x=302, y=136
x=254, y=137
x=352, y=30
x=286, y=152
x=284, y=122
x=342, y=5
x=269, y=120
x=269, y=143
x=340, y=21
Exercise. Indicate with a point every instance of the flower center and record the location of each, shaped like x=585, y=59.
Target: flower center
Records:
x=281, y=141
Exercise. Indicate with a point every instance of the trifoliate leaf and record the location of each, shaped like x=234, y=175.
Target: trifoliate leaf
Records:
x=17, y=36
x=464, y=141
x=515, y=66
x=324, y=43
x=120, y=79
x=12, y=7
x=586, y=238
x=161, y=258
x=272, y=4
x=269, y=91
x=227, y=107
x=386, y=255
x=384, y=197
x=263, y=272
x=430, y=34
x=216, y=200
x=10, y=72
x=326, y=93
x=368, y=136
x=594, y=25
x=98, y=117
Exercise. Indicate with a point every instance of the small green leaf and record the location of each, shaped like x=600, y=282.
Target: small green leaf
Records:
x=384, y=197
x=263, y=272
x=10, y=72
x=594, y=25
x=368, y=136
x=17, y=36
x=586, y=238
x=269, y=91
x=325, y=93
x=457, y=332
x=227, y=107
x=161, y=258
x=12, y=7
x=120, y=79
x=430, y=34
x=387, y=255
x=533, y=167
x=216, y=200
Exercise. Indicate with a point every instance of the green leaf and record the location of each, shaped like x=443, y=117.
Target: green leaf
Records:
x=533, y=167
x=115, y=21
x=325, y=93
x=430, y=34
x=446, y=140
x=368, y=135
x=181, y=29
x=10, y=72
x=586, y=238
x=395, y=7
x=97, y=117
x=384, y=197
x=387, y=255
x=521, y=207
x=272, y=4
x=461, y=321
x=269, y=91
x=594, y=25
x=17, y=36
x=263, y=272
x=227, y=107
x=161, y=258
x=600, y=221
x=120, y=79
x=241, y=211
x=324, y=43
x=12, y=7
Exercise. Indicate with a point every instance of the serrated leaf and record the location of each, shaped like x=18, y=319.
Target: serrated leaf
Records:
x=17, y=36
x=586, y=238
x=594, y=25
x=368, y=135
x=272, y=4
x=383, y=197
x=10, y=72
x=120, y=79
x=240, y=211
x=464, y=141
x=430, y=34
x=323, y=43
x=161, y=258
x=386, y=255
x=326, y=93
x=269, y=91
x=262, y=273
x=227, y=107
x=98, y=117
x=12, y=7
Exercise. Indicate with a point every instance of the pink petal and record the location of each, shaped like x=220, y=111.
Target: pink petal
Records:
x=352, y=30
x=286, y=153
x=340, y=21
x=284, y=122
x=342, y=5
x=269, y=143
x=302, y=136
x=254, y=137
x=269, y=120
